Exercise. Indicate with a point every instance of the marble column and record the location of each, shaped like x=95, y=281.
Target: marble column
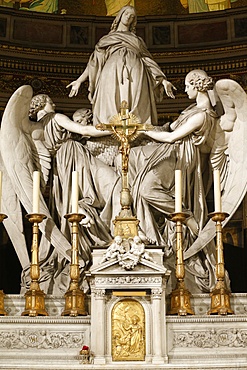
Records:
x=158, y=331
x=98, y=333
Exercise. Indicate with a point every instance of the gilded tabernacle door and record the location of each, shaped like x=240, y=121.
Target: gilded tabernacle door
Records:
x=128, y=331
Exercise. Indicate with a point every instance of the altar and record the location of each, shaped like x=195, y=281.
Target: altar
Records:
x=188, y=342
x=126, y=325
x=127, y=245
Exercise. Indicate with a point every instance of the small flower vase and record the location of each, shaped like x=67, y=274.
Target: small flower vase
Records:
x=85, y=355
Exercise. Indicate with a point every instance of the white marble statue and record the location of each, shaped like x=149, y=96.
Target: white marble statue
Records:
x=121, y=68
x=47, y=145
x=199, y=141
x=210, y=134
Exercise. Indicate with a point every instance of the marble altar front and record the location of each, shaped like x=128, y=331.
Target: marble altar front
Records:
x=170, y=342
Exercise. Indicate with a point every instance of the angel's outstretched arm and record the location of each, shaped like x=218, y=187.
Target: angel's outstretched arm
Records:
x=77, y=128
x=193, y=123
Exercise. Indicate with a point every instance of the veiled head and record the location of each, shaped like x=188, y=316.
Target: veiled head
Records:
x=200, y=80
x=132, y=26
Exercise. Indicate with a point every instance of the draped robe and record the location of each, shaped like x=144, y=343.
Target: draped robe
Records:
x=121, y=68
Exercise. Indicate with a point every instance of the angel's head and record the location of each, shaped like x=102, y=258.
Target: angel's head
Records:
x=41, y=102
x=197, y=81
x=83, y=116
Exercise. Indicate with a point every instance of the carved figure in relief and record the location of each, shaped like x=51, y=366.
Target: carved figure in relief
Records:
x=138, y=248
x=114, y=249
x=128, y=331
x=200, y=140
x=121, y=68
x=134, y=334
x=47, y=144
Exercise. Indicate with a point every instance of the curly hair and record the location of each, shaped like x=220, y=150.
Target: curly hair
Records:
x=200, y=80
x=116, y=21
x=38, y=102
x=85, y=113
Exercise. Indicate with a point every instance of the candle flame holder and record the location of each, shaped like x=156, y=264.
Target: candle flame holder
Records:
x=35, y=297
x=74, y=297
x=2, y=295
x=180, y=296
x=220, y=296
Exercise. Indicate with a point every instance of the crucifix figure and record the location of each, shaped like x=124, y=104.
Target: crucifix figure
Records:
x=125, y=127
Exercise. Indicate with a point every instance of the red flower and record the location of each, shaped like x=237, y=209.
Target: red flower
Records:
x=85, y=348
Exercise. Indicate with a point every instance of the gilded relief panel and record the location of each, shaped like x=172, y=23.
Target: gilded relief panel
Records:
x=128, y=331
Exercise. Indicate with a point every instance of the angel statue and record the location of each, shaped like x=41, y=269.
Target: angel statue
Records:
x=121, y=68
x=35, y=137
x=208, y=135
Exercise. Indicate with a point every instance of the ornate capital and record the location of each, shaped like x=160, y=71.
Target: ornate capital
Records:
x=156, y=293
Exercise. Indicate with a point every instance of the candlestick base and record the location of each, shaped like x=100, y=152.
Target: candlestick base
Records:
x=125, y=226
x=220, y=300
x=74, y=303
x=35, y=303
x=180, y=301
x=2, y=310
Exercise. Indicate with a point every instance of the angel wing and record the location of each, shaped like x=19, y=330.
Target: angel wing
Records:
x=13, y=223
x=17, y=150
x=229, y=155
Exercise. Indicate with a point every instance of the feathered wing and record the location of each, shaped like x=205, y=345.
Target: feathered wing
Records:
x=13, y=223
x=229, y=155
x=18, y=154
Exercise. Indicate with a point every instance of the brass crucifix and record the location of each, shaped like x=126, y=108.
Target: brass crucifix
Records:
x=125, y=127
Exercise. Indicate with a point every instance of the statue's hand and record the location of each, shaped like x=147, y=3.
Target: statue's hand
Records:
x=75, y=85
x=87, y=221
x=169, y=87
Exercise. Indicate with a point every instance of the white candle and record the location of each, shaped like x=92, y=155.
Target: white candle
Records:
x=0, y=191
x=75, y=191
x=36, y=191
x=217, y=192
x=178, y=191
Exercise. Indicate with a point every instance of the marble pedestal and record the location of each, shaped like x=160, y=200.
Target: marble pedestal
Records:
x=144, y=284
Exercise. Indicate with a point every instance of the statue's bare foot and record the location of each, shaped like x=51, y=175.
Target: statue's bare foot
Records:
x=193, y=226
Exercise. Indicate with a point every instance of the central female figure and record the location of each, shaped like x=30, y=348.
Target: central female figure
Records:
x=121, y=68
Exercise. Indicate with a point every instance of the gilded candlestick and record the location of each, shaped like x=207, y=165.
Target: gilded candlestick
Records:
x=74, y=297
x=35, y=297
x=220, y=296
x=180, y=296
